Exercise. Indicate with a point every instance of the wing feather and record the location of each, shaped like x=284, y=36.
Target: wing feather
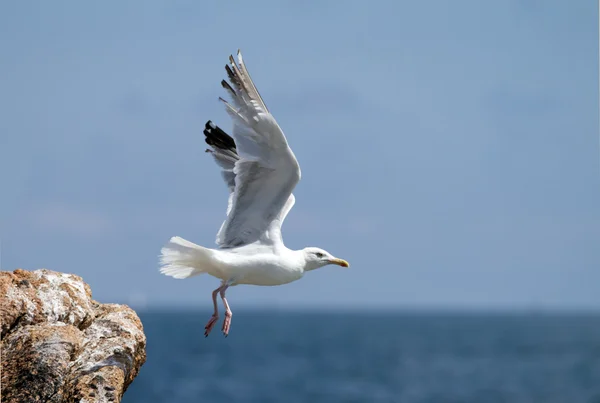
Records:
x=225, y=155
x=258, y=167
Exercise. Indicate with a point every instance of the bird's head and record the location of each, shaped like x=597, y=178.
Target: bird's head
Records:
x=316, y=258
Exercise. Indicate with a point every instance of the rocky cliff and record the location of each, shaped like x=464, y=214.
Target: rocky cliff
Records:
x=59, y=345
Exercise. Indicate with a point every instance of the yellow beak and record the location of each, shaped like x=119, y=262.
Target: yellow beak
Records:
x=340, y=262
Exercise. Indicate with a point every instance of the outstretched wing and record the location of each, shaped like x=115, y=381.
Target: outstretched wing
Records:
x=224, y=151
x=259, y=168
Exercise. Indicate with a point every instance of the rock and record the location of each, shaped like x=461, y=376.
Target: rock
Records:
x=59, y=345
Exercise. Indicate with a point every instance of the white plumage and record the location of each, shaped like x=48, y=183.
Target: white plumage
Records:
x=261, y=171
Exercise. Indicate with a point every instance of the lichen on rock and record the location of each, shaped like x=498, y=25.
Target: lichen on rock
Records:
x=59, y=345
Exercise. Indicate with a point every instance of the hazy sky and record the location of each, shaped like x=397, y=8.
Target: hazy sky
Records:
x=449, y=149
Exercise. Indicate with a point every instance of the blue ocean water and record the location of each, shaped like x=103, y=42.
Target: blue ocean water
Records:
x=370, y=357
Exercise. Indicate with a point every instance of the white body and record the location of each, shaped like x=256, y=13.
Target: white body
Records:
x=250, y=264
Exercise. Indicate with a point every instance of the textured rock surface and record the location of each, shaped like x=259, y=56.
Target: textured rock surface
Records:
x=59, y=345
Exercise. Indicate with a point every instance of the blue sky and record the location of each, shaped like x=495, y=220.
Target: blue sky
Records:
x=449, y=150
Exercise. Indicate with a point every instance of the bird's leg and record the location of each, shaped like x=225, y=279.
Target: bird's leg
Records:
x=215, y=316
x=228, y=313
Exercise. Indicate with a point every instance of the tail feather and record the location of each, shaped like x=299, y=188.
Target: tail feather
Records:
x=182, y=259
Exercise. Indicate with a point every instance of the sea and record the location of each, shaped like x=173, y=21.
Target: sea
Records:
x=370, y=356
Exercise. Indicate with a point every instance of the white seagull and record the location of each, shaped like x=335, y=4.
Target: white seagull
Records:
x=261, y=172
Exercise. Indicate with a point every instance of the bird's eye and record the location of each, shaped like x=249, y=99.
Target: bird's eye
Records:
x=319, y=254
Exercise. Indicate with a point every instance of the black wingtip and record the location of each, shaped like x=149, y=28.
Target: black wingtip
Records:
x=228, y=87
x=216, y=137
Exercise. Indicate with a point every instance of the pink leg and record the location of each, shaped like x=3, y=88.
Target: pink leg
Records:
x=228, y=313
x=215, y=317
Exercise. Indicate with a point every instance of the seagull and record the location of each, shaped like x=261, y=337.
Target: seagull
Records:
x=260, y=171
